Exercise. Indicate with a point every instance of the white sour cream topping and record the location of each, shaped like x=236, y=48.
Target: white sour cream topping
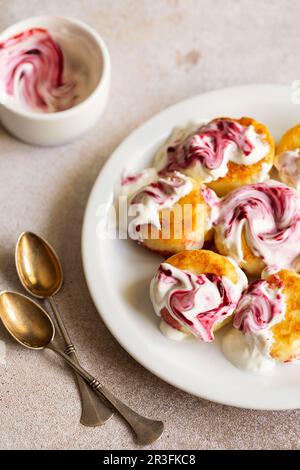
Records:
x=171, y=333
x=204, y=153
x=269, y=215
x=247, y=352
x=48, y=71
x=213, y=201
x=148, y=193
x=248, y=345
x=194, y=303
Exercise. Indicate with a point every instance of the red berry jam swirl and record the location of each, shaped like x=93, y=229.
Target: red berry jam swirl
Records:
x=163, y=191
x=195, y=302
x=269, y=216
x=147, y=202
x=32, y=71
x=260, y=307
x=213, y=145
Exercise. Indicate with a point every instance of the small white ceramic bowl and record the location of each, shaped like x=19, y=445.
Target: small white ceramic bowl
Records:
x=57, y=128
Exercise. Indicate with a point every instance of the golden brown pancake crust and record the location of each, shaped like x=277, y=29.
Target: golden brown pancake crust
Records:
x=290, y=140
x=204, y=262
x=195, y=222
x=286, y=334
x=239, y=175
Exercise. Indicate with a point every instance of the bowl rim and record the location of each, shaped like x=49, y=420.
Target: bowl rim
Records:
x=103, y=79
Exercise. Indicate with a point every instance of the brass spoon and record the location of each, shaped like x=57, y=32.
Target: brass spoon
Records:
x=41, y=274
x=32, y=327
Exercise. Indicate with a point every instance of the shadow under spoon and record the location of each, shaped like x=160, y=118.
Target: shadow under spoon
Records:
x=31, y=326
x=41, y=274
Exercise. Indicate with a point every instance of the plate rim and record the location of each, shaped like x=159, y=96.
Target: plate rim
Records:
x=99, y=301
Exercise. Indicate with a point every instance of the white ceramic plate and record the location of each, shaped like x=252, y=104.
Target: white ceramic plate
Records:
x=118, y=272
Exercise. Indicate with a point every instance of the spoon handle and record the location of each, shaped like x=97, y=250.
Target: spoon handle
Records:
x=146, y=430
x=93, y=411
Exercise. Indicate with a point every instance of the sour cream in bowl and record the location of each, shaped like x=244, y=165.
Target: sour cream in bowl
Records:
x=54, y=79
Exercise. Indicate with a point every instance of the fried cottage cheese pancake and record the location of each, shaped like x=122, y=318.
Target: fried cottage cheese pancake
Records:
x=259, y=226
x=267, y=322
x=168, y=213
x=225, y=153
x=288, y=166
x=287, y=159
x=195, y=293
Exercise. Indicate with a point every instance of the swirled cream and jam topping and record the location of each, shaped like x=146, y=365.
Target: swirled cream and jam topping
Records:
x=45, y=72
x=248, y=345
x=206, y=151
x=148, y=193
x=268, y=215
x=288, y=166
x=213, y=202
x=193, y=304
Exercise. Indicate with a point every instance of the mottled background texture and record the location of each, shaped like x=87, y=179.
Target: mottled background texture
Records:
x=162, y=51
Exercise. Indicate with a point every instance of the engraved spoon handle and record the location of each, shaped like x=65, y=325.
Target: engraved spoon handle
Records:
x=146, y=430
x=93, y=411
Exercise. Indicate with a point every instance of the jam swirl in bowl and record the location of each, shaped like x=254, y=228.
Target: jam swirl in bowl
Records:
x=54, y=79
x=32, y=70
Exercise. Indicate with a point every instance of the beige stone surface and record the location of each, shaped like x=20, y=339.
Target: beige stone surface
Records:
x=162, y=51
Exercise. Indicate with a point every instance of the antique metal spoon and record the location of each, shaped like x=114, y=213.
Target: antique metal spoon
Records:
x=41, y=274
x=31, y=326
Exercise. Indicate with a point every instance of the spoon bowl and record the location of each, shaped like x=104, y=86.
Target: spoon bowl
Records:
x=38, y=266
x=25, y=320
